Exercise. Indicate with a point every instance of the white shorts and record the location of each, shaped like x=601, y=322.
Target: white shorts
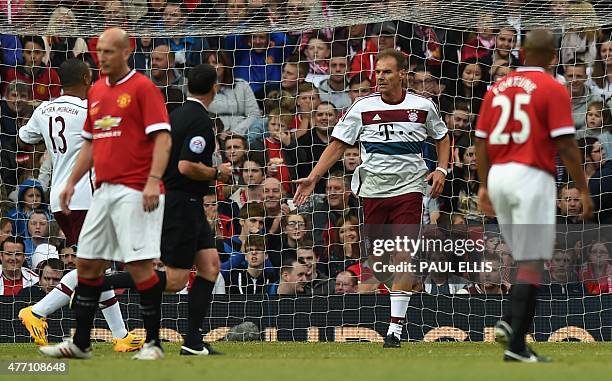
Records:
x=524, y=199
x=118, y=229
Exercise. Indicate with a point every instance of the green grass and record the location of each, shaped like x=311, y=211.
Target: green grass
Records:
x=334, y=361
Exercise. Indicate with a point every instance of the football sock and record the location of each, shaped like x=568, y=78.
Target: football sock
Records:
x=150, y=307
x=523, y=303
x=87, y=295
x=112, y=314
x=399, y=305
x=199, y=302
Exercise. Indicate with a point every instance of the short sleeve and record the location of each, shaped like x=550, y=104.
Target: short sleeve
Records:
x=434, y=124
x=483, y=124
x=350, y=126
x=560, y=120
x=153, y=108
x=199, y=144
x=87, y=132
x=31, y=132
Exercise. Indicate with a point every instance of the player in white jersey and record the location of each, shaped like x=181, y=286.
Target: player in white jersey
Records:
x=59, y=123
x=391, y=126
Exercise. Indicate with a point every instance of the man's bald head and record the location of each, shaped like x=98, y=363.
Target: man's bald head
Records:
x=117, y=37
x=539, y=47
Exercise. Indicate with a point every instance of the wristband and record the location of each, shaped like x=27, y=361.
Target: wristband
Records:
x=217, y=173
x=442, y=170
x=155, y=177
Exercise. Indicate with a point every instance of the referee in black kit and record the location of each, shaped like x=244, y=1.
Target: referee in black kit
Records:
x=187, y=239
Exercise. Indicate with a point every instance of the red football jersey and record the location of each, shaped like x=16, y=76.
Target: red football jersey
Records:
x=120, y=119
x=520, y=116
x=45, y=83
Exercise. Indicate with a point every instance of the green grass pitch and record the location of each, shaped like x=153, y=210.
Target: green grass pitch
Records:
x=333, y=361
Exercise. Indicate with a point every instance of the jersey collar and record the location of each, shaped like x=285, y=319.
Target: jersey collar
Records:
x=122, y=80
x=198, y=101
x=530, y=68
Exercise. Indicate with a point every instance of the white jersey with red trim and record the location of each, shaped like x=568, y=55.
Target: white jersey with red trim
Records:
x=59, y=124
x=391, y=138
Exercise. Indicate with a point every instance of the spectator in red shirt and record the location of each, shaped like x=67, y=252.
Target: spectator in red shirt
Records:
x=381, y=37
x=44, y=80
x=15, y=277
x=221, y=224
x=482, y=43
x=317, y=53
x=252, y=178
x=279, y=164
x=597, y=272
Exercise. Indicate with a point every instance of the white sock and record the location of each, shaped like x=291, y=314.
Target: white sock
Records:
x=399, y=306
x=112, y=315
x=57, y=298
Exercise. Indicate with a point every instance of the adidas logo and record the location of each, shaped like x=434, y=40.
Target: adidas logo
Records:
x=376, y=117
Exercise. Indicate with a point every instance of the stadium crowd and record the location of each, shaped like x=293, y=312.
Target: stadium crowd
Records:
x=280, y=96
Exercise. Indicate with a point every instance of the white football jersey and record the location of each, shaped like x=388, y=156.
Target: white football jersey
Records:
x=391, y=138
x=59, y=123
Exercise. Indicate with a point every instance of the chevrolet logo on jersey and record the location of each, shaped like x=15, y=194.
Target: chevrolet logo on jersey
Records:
x=106, y=123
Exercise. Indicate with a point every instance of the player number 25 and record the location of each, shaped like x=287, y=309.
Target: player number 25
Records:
x=60, y=134
x=498, y=136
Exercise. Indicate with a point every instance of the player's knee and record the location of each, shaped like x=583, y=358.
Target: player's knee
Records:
x=176, y=279
x=208, y=264
x=90, y=268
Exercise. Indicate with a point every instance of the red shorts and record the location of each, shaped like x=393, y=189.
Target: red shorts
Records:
x=398, y=210
x=71, y=224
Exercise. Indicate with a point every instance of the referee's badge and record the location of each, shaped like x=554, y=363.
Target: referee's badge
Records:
x=197, y=144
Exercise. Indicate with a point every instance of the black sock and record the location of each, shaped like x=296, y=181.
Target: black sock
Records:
x=123, y=279
x=150, y=307
x=523, y=303
x=86, y=298
x=199, y=302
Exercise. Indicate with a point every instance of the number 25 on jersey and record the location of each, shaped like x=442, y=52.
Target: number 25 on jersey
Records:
x=511, y=111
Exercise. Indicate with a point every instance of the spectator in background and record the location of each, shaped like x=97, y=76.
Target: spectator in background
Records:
x=313, y=143
x=163, y=72
x=30, y=197
x=307, y=101
x=292, y=76
x=380, y=37
x=580, y=43
x=505, y=42
x=596, y=273
x=561, y=279
x=221, y=224
x=359, y=86
x=253, y=280
x=458, y=120
x=582, y=95
x=598, y=125
x=489, y=282
x=6, y=229
x=441, y=281
x=423, y=82
x=187, y=50
x=37, y=234
x=252, y=177
x=141, y=56
x=296, y=228
x=292, y=278
x=317, y=53
x=471, y=85
x=335, y=88
x=44, y=80
x=593, y=156
x=11, y=49
x=280, y=149
x=275, y=207
x=344, y=248
x=235, y=153
x=235, y=103
x=482, y=43
x=153, y=17
x=600, y=187
x=351, y=160
x=601, y=73
x=258, y=58
x=14, y=277
x=12, y=106
x=236, y=12
x=346, y=283
x=252, y=217
x=50, y=274
x=318, y=282
x=569, y=205
x=499, y=71
x=58, y=47
x=68, y=255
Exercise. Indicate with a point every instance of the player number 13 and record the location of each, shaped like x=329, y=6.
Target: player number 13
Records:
x=498, y=136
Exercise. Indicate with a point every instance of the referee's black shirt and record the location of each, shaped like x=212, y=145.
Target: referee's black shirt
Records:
x=193, y=139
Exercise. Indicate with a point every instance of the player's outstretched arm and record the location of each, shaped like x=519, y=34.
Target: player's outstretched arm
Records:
x=83, y=164
x=572, y=159
x=329, y=157
x=161, y=154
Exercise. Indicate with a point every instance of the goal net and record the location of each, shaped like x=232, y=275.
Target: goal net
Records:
x=288, y=70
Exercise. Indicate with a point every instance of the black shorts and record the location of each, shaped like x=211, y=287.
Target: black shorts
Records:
x=185, y=230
